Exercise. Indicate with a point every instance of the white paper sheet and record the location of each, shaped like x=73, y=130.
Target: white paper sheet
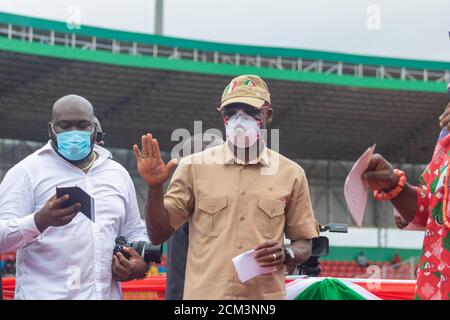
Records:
x=247, y=267
x=355, y=188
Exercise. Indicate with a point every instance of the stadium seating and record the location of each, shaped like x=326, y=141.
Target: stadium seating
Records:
x=350, y=269
x=330, y=268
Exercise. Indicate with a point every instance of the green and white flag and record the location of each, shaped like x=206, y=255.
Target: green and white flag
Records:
x=326, y=289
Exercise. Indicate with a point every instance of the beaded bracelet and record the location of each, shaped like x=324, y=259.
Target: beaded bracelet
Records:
x=383, y=196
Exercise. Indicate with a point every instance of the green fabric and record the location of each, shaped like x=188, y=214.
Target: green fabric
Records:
x=329, y=289
x=447, y=241
x=160, y=63
x=436, y=212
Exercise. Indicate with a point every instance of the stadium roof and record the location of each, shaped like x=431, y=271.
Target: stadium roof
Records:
x=327, y=105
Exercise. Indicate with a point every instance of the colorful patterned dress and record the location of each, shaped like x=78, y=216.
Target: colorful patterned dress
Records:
x=433, y=275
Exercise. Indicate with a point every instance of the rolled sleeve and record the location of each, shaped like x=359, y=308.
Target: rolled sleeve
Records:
x=16, y=234
x=179, y=198
x=28, y=227
x=300, y=220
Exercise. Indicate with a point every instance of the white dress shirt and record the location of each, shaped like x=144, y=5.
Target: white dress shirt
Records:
x=72, y=261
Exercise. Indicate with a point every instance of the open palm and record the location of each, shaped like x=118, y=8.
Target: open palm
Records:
x=149, y=163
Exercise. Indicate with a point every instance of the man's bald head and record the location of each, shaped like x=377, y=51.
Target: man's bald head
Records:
x=72, y=112
x=72, y=104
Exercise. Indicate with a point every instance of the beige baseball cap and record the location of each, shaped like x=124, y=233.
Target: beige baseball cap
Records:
x=248, y=89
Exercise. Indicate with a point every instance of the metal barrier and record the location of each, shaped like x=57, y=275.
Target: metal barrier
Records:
x=134, y=48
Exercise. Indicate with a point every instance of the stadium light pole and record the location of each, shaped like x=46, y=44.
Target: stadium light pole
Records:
x=159, y=12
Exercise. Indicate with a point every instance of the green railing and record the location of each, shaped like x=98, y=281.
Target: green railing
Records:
x=85, y=43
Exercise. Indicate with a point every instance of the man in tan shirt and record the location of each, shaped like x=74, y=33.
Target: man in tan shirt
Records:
x=237, y=196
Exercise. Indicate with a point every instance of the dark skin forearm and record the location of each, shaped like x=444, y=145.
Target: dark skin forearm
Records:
x=302, y=250
x=155, y=172
x=380, y=175
x=156, y=215
x=406, y=202
x=271, y=253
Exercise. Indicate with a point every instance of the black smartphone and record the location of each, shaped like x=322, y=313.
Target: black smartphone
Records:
x=76, y=194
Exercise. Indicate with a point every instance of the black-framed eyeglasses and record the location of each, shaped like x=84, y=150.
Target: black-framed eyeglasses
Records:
x=230, y=110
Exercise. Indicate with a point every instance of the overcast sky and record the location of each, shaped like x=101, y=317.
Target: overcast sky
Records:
x=416, y=29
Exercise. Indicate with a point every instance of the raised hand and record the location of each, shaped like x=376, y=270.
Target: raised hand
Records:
x=149, y=162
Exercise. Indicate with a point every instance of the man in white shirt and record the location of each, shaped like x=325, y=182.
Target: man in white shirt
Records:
x=61, y=254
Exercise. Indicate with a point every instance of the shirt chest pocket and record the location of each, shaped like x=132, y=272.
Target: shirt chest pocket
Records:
x=269, y=218
x=212, y=215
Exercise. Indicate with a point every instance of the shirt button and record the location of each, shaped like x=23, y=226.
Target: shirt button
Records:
x=212, y=207
x=240, y=246
x=243, y=192
x=241, y=218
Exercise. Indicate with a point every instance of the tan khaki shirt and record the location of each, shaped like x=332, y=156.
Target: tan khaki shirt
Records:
x=231, y=209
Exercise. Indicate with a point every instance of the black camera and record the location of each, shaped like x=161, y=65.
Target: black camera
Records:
x=320, y=248
x=147, y=250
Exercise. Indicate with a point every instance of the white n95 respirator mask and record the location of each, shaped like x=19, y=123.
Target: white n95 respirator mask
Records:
x=242, y=129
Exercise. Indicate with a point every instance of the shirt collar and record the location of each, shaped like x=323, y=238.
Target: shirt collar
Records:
x=102, y=152
x=230, y=157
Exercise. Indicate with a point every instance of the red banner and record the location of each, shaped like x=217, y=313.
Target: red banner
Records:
x=154, y=287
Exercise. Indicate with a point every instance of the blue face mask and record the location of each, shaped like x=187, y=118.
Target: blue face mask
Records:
x=74, y=145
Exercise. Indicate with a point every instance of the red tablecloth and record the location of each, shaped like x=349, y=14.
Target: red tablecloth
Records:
x=9, y=284
x=153, y=288
x=392, y=291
